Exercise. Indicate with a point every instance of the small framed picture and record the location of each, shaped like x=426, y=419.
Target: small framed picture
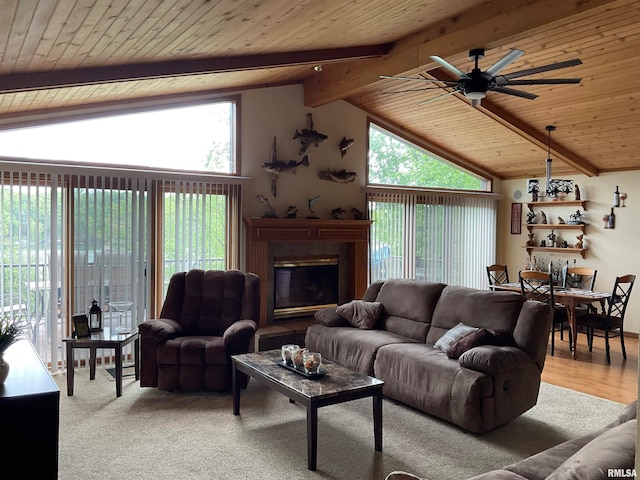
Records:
x=516, y=218
x=81, y=326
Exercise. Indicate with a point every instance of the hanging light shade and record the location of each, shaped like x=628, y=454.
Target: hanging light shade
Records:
x=551, y=190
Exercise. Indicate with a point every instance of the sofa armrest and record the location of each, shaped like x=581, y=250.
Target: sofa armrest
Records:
x=160, y=329
x=239, y=334
x=330, y=318
x=490, y=359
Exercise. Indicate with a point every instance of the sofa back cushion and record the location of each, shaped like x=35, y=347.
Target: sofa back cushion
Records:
x=476, y=308
x=408, y=306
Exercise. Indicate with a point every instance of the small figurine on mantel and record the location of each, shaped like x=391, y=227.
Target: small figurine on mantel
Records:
x=543, y=217
x=576, y=192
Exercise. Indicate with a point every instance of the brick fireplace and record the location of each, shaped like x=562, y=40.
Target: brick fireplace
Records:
x=272, y=241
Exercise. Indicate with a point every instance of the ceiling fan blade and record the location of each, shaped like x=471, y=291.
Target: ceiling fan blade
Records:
x=516, y=93
x=445, y=82
x=500, y=81
x=544, y=68
x=414, y=90
x=443, y=63
x=505, y=61
x=438, y=97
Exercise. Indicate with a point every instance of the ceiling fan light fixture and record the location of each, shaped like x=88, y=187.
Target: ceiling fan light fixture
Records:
x=475, y=95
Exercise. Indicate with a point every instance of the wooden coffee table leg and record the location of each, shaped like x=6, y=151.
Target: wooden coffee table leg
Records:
x=377, y=420
x=312, y=436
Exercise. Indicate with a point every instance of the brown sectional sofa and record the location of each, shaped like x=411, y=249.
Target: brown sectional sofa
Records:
x=589, y=457
x=488, y=386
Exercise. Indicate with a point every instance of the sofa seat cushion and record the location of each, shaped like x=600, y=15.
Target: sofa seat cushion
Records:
x=350, y=347
x=424, y=377
x=197, y=350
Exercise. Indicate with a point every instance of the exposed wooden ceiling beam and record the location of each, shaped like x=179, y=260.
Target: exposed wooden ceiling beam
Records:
x=502, y=22
x=23, y=82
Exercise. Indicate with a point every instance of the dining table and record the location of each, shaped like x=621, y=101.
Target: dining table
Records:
x=571, y=298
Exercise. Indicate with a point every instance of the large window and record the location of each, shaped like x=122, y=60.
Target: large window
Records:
x=73, y=233
x=419, y=229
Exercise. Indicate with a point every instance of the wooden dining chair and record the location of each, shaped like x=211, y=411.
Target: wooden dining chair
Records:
x=539, y=286
x=497, y=274
x=583, y=278
x=611, y=321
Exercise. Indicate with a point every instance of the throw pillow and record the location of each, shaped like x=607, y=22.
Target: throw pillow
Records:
x=482, y=336
x=615, y=449
x=329, y=317
x=360, y=314
x=453, y=335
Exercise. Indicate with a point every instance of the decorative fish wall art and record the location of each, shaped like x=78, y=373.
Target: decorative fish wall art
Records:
x=308, y=136
x=340, y=176
x=276, y=167
x=345, y=144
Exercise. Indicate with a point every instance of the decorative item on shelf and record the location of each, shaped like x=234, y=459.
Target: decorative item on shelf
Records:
x=561, y=221
x=564, y=244
x=337, y=213
x=311, y=202
x=9, y=333
x=269, y=211
x=291, y=212
x=543, y=243
x=612, y=219
x=531, y=216
x=345, y=144
x=552, y=239
x=605, y=219
x=579, y=243
x=357, y=214
x=576, y=192
x=95, y=317
x=616, y=197
x=543, y=217
x=533, y=187
x=309, y=136
x=576, y=218
x=531, y=242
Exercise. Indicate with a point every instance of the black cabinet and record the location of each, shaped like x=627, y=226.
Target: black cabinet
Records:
x=29, y=406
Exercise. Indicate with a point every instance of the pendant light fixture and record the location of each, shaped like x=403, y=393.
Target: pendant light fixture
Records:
x=551, y=188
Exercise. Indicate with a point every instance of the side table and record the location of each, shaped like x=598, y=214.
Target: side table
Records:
x=104, y=339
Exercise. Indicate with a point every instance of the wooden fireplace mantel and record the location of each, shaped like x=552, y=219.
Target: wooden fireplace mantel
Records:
x=261, y=232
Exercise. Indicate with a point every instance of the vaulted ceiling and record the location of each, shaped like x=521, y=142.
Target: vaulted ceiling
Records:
x=59, y=56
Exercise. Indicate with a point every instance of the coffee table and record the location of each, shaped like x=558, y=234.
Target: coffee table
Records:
x=103, y=339
x=338, y=385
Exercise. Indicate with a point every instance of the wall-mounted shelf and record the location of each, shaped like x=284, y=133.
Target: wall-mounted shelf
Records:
x=560, y=203
x=557, y=226
x=580, y=251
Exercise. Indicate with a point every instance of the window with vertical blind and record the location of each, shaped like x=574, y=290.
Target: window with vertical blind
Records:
x=437, y=222
x=435, y=237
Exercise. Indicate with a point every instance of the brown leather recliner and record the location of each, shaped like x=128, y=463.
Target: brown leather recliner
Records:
x=207, y=316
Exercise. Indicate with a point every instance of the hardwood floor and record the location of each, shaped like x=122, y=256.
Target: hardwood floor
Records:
x=590, y=373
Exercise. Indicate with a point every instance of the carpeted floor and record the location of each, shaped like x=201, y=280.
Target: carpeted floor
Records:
x=148, y=433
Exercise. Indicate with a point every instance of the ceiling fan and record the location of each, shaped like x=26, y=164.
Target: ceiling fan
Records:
x=475, y=84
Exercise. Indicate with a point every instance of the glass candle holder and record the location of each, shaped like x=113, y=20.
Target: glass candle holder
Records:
x=297, y=357
x=312, y=362
x=286, y=352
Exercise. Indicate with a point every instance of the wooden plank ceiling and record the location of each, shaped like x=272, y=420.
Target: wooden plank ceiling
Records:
x=57, y=57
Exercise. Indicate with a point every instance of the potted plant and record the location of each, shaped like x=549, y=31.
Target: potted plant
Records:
x=9, y=333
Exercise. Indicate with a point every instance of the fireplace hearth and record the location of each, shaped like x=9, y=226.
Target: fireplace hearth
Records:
x=273, y=240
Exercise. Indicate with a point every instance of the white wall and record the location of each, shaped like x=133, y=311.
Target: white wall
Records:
x=278, y=112
x=611, y=252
